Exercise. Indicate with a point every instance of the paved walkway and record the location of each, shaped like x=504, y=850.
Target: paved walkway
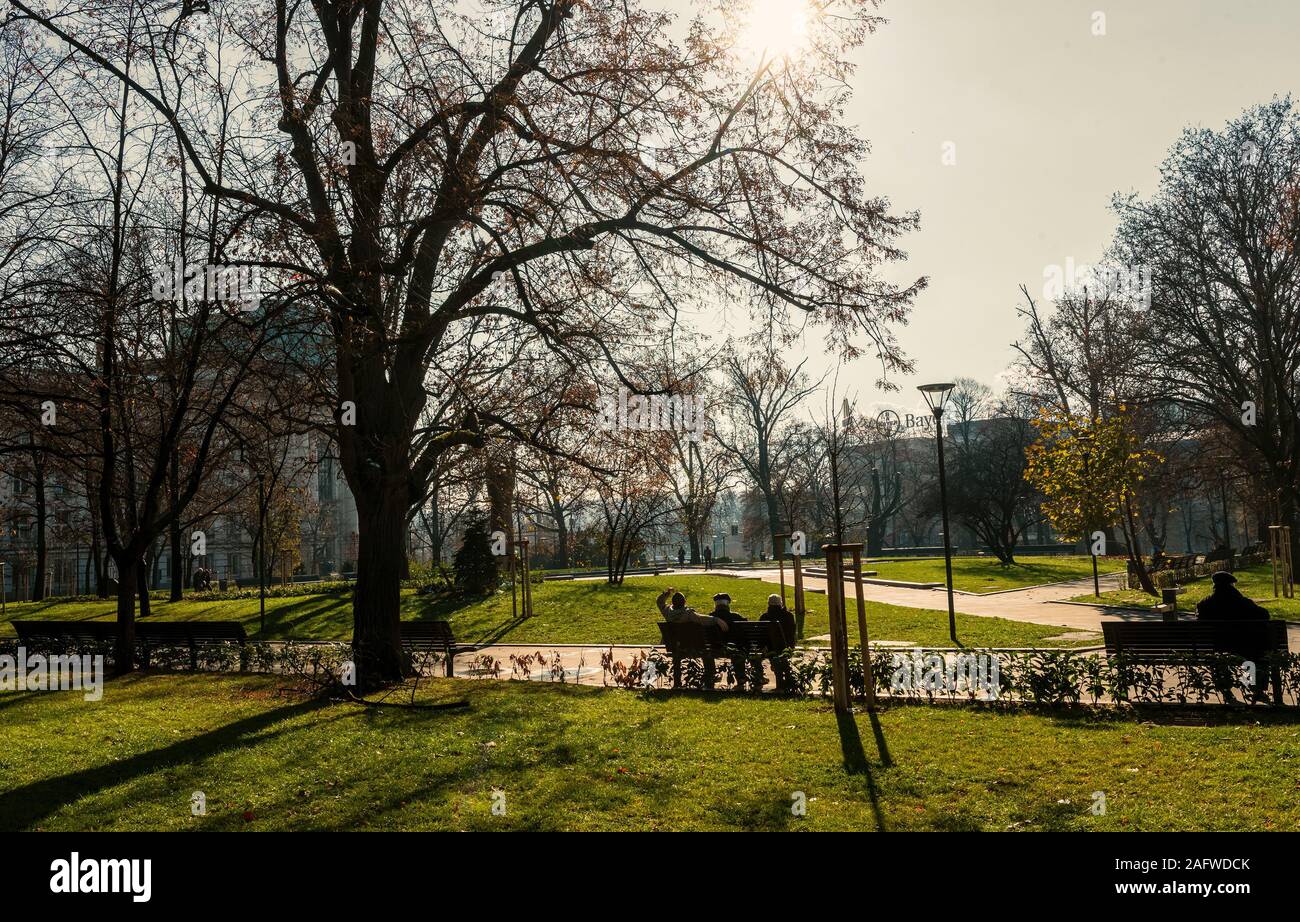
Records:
x=1035, y=605
x=1038, y=605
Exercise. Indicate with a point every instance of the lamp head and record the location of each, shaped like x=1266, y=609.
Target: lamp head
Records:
x=936, y=396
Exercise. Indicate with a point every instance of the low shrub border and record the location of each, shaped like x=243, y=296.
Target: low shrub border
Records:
x=1039, y=677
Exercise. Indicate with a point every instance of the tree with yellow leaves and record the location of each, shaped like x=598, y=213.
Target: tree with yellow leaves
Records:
x=1090, y=471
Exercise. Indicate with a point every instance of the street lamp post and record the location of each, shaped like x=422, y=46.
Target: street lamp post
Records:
x=936, y=395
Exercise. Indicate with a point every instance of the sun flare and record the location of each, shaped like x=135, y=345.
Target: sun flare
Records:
x=775, y=29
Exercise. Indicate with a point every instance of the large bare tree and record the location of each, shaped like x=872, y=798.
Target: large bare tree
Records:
x=564, y=165
x=1221, y=236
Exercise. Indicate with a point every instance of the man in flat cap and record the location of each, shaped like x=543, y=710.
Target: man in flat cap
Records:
x=722, y=609
x=1226, y=603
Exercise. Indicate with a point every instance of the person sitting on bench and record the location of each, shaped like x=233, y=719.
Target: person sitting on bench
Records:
x=776, y=611
x=722, y=609
x=1226, y=603
x=723, y=614
x=680, y=614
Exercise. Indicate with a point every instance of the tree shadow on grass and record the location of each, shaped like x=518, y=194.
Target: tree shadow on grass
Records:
x=9, y=699
x=856, y=762
x=1089, y=717
x=23, y=807
x=284, y=618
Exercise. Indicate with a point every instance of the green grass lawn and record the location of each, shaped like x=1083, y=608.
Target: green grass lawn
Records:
x=565, y=612
x=1255, y=583
x=985, y=574
x=566, y=757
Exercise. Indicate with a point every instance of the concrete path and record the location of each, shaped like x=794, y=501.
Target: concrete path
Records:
x=1035, y=605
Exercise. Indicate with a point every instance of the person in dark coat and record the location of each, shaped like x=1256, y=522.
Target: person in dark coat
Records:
x=722, y=609
x=776, y=611
x=708, y=557
x=722, y=612
x=1226, y=603
x=681, y=556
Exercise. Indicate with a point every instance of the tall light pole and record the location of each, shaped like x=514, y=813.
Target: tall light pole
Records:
x=936, y=395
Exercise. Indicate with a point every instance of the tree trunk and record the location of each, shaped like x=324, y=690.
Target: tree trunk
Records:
x=695, y=547
x=142, y=586
x=561, y=540
x=377, y=600
x=42, y=549
x=97, y=553
x=773, y=518
x=1135, y=551
x=876, y=526
x=1287, y=516
x=124, y=651
x=177, y=565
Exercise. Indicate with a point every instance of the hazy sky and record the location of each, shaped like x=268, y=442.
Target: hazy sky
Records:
x=1048, y=122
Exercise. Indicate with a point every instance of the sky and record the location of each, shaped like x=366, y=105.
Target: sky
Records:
x=1047, y=122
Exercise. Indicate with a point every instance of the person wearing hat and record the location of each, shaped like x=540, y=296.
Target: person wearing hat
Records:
x=722, y=609
x=679, y=613
x=723, y=614
x=776, y=611
x=1226, y=603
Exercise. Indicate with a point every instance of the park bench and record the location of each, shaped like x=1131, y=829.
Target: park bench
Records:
x=432, y=636
x=192, y=635
x=742, y=639
x=1167, y=570
x=65, y=634
x=1181, y=566
x=1173, y=643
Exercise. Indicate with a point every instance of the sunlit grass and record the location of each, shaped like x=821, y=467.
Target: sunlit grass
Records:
x=986, y=574
x=1255, y=583
x=562, y=757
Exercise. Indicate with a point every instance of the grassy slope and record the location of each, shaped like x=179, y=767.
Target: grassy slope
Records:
x=566, y=612
x=985, y=574
x=581, y=758
x=1255, y=583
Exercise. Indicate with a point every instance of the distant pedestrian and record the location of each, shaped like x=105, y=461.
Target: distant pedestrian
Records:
x=681, y=556
x=708, y=557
